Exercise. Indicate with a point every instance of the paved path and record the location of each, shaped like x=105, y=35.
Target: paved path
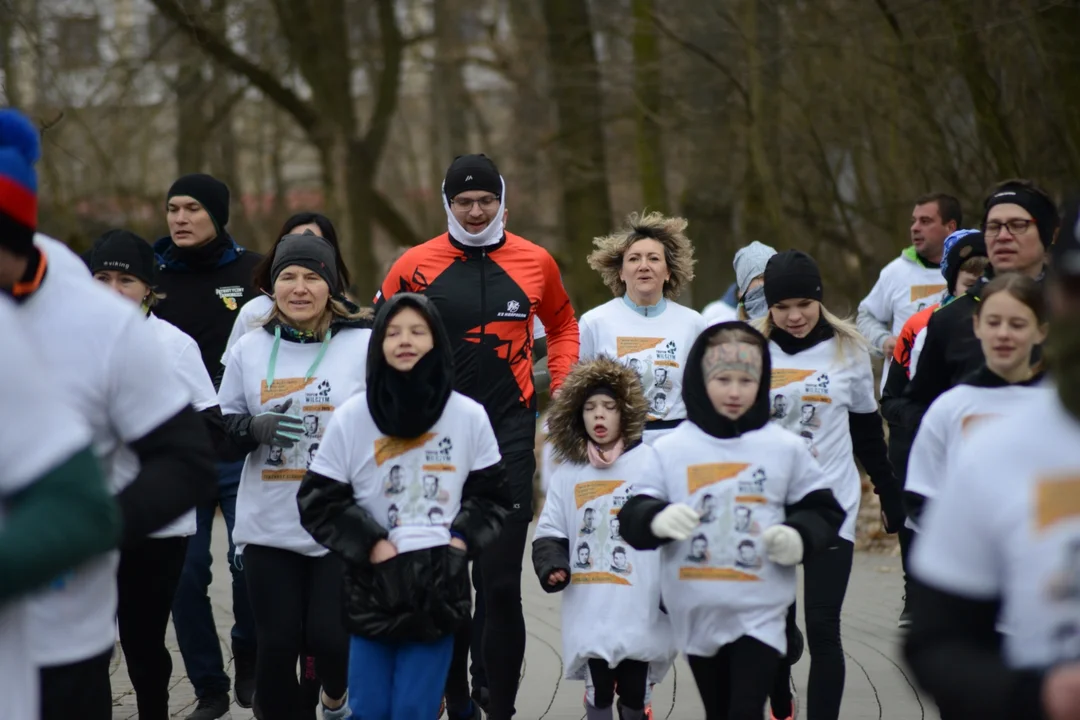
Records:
x=877, y=685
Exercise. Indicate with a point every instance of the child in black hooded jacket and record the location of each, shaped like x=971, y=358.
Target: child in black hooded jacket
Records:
x=406, y=539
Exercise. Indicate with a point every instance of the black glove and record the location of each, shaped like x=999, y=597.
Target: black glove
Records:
x=277, y=428
x=892, y=511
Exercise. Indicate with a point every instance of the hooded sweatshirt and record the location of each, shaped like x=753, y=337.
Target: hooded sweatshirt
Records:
x=413, y=462
x=743, y=476
x=611, y=604
x=279, y=369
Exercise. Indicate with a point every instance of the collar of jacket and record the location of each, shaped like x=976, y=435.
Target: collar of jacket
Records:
x=793, y=345
x=987, y=378
x=219, y=252
x=473, y=250
x=646, y=310
x=911, y=254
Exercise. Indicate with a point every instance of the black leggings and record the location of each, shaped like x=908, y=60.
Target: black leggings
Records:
x=500, y=630
x=81, y=687
x=632, y=677
x=296, y=604
x=825, y=583
x=146, y=583
x=734, y=682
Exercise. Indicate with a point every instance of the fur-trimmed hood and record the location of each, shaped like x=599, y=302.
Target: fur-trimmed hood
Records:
x=566, y=425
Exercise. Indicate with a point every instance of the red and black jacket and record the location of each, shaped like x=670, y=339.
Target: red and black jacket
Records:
x=487, y=298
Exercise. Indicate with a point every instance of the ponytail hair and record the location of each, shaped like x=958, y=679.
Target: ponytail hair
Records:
x=848, y=338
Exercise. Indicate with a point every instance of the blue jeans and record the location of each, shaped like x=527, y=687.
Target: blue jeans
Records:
x=397, y=680
x=193, y=616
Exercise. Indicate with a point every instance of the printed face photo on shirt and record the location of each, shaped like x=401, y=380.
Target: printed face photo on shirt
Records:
x=707, y=508
x=659, y=403
x=699, y=550
x=779, y=407
x=311, y=425
x=636, y=366
x=583, y=556
x=393, y=517
x=746, y=555
x=431, y=487
x=619, y=561
x=274, y=456
x=312, y=449
x=744, y=519
x=395, y=481
x=436, y=516
x=588, y=522
x=808, y=438
x=808, y=416
x=660, y=377
x=613, y=525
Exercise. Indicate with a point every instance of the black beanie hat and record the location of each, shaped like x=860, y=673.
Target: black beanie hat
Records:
x=1040, y=207
x=126, y=252
x=472, y=172
x=211, y=193
x=792, y=274
x=308, y=251
x=970, y=244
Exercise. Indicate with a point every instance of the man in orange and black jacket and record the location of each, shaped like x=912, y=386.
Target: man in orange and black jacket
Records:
x=488, y=286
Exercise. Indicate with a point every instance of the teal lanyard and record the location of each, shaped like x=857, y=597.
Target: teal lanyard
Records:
x=272, y=366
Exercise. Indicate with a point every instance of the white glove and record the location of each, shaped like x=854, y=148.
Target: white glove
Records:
x=676, y=521
x=783, y=545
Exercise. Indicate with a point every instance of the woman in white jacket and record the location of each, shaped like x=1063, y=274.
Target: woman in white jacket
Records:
x=612, y=623
x=646, y=264
x=281, y=386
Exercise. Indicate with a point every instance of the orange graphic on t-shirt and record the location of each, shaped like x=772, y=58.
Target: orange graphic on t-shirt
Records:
x=439, y=467
x=698, y=476
x=918, y=292
x=786, y=376
x=282, y=387
x=388, y=448
x=586, y=491
x=1057, y=498
x=285, y=474
x=817, y=398
x=968, y=421
x=700, y=573
x=745, y=499
x=323, y=407
x=630, y=345
x=598, y=578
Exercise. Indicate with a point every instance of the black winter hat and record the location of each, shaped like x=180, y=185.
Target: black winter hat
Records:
x=211, y=193
x=1041, y=208
x=792, y=274
x=970, y=244
x=126, y=252
x=472, y=172
x=308, y=251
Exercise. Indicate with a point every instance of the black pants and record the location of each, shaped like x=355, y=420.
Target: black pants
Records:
x=824, y=586
x=631, y=676
x=80, y=688
x=735, y=682
x=146, y=584
x=906, y=536
x=498, y=628
x=296, y=603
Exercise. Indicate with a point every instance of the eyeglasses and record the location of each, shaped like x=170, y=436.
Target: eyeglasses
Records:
x=486, y=203
x=1016, y=227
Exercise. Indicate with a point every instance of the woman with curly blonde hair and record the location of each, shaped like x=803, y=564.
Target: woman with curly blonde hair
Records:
x=646, y=264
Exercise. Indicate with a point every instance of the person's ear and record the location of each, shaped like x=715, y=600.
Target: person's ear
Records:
x=1044, y=331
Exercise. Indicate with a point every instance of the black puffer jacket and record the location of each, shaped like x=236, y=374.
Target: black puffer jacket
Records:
x=422, y=595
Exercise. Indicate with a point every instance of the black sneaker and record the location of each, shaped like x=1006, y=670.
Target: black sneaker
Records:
x=244, y=668
x=905, y=616
x=211, y=707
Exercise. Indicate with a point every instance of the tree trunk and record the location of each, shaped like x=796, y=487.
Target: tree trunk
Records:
x=763, y=216
x=449, y=102
x=648, y=89
x=581, y=164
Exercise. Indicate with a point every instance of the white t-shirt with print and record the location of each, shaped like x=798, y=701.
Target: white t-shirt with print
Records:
x=611, y=609
x=1007, y=526
x=251, y=317
x=904, y=287
x=40, y=432
x=185, y=361
x=412, y=487
x=656, y=347
x=718, y=585
x=266, y=511
x=109, y=364
x=812, y=394
x=946, y=424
